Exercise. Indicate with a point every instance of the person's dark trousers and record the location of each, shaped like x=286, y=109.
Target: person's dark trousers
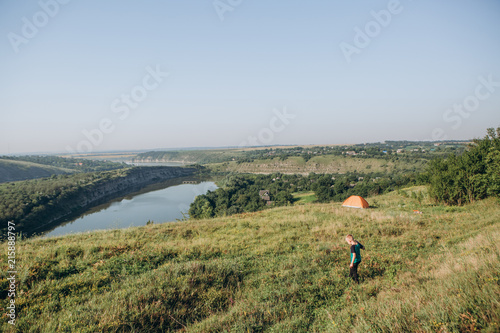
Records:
x=353, y=273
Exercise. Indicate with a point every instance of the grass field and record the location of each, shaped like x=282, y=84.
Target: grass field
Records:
x=116, y=157
x=304, y=198
x=280, y=270
x=20, y=170
x=322, y=164
x=291, y=146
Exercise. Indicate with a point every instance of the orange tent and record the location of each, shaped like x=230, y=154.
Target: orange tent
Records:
x=355, y=201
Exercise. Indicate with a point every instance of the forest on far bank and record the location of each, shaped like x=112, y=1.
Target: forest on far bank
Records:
x=459, y=178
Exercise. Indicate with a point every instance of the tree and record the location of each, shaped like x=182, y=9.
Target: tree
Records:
x=283, y=198
x=493, y=172
x=471, y=176
x=323, y=189
x=201, y=208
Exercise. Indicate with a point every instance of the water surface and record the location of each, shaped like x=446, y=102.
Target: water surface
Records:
x=158, y=205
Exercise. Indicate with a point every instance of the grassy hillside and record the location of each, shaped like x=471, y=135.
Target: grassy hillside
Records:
x=73, y=164
x=279, y=270
x=302, y=198
x=20, y=170
x=15, y=168
x=323, y=164
x=272, y=161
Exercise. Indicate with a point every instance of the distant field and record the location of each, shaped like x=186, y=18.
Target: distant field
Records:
x=191, y=156
x=292, y=146
x=387, y=157
x=115, y=157
x=304, y=198
x=321, y=164
x=20, y=170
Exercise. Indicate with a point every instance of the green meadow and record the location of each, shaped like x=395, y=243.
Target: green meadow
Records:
x=279, y=270
x=322, y=164
x=302, y=198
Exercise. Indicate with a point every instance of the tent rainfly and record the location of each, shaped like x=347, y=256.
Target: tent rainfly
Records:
x=355, y=201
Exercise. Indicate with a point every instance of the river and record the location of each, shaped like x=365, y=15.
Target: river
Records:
x=153, y=203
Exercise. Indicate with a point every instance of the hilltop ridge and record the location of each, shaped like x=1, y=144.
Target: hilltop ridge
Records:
x=11, y=171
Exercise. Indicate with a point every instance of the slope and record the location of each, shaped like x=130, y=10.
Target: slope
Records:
x=11, y=171
x=279, y=270
x=322, y=164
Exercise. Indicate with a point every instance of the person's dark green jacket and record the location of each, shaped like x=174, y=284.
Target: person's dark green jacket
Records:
x=356, y=249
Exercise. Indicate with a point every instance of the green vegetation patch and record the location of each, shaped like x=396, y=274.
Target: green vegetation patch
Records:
x=11, y=170
x=278, y=270
x=304, y=198
x=33, y=203
x=468, y=177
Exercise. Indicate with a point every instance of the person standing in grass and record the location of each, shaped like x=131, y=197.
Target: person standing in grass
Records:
x=355, y=257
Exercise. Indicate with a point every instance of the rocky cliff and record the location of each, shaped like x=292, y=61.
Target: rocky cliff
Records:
x=136, y=179
x=97, y=193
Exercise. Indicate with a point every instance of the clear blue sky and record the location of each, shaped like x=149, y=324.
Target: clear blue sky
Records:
x=227, y=76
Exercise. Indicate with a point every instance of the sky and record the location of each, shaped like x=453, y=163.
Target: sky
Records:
x=90, y=76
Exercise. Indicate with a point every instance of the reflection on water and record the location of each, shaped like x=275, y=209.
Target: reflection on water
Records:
x=155, y=203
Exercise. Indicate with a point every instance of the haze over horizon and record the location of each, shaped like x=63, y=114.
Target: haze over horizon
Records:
x=80, y=76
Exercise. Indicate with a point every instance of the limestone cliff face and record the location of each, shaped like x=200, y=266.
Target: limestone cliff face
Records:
x=163, y=160
x=136, y=179
x=98, y=193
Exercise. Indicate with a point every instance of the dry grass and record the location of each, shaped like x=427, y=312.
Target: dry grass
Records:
x=317, y=164
x=279, y=270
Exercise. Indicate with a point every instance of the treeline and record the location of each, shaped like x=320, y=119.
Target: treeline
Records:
x=244, y=192
x=418, y=152
x=241, y=193
x=328, y=188
x=78, y=164
x=34, y=203
x=25, y=201
x=412, y=152
x=190, y=156
x=473, y=175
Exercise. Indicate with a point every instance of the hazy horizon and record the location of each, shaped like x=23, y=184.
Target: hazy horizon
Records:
x=122, y=76
x=61, y=153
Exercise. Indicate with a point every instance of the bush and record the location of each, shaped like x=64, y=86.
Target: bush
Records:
x=465, y=178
